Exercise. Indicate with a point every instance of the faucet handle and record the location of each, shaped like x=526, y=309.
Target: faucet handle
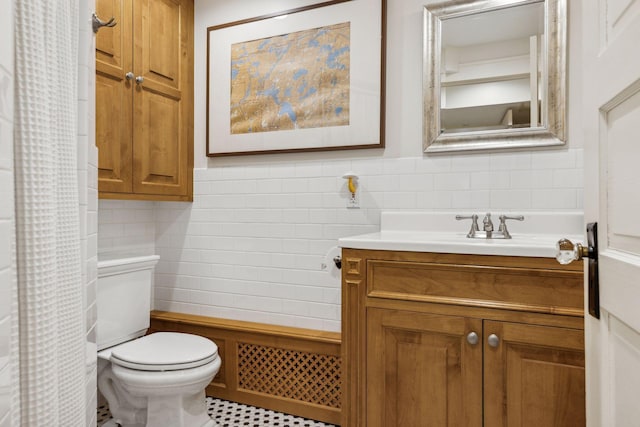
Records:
x=503, y=223
x=474, y=223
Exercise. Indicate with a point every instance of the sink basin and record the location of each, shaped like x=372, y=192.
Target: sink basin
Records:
x=536, y=236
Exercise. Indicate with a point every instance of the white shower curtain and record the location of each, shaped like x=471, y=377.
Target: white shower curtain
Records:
x=50, y=289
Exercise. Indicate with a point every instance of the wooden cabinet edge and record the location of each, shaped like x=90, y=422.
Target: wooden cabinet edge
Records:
x=150, y=197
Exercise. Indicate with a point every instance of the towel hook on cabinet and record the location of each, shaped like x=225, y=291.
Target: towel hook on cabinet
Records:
x=99, y=23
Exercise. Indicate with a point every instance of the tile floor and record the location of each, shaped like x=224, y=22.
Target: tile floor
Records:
x=231, y=414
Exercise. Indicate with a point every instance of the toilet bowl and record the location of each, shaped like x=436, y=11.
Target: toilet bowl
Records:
x=155, y=380
x=159, y=380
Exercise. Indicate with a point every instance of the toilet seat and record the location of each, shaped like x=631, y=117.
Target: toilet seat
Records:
x=165, y=351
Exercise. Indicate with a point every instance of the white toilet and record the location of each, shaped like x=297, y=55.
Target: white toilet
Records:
x=157, y=380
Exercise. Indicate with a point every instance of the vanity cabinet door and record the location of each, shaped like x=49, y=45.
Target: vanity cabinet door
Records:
x=534, y=375
x=422, y=371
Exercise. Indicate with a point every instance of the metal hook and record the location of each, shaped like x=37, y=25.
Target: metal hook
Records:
x=99, y=23
x=337, y=260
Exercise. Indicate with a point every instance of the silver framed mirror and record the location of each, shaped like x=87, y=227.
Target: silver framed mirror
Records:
x=494, y=74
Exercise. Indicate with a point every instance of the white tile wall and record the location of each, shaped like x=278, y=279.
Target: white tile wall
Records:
x=251, y=246
x=88, y=182
x=126, y=226
x=7, y=278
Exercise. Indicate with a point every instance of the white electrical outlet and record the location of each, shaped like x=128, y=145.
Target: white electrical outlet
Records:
x=353, y=202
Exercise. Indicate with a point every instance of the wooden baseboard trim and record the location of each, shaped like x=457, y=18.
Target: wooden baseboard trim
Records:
x=292, y=370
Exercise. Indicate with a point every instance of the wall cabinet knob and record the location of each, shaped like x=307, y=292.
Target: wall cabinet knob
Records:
x=472, y=338
x=493, y=340
x=129, y=76
x=139, y=79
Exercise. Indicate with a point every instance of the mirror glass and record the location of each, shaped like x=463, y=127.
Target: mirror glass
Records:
x=493, y=76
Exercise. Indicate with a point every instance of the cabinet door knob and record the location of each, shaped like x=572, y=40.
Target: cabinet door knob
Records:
x=472, y=338
x=493, y=340
x=139, y=79
x=129, y=76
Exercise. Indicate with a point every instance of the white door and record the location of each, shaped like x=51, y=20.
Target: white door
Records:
x=611, y=91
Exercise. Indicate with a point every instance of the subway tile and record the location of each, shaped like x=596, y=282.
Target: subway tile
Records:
x=269, y=186
x=282, y=171
x=232, y=173
x=399, y=200
x=6, y=150
x=6, y=237
x=554, y=199
x=336, y=168
x=471, y=163
x=279, y=200
x=556, y=159
x=434, y=200
x=477, y=199
x=6, y=94
x=295, y=216
x=296, y=246
x=511, y=199
x=309, y=231
x=322, y=216
x=399, y=166
x=309, y=200
x=377, y=183
x=580, y=199
x=5, y=392
x=568, y=178
x=258, y=172
x=367, y=167
x=6, y=195
x=331, y=325
x=413, y=182
x=490, y=180
x=5, y=339
x=452, y=181
x=308, y=169
x=515, y=161
x=308, y=262
x=433, y=165
x=324, y=184
x=6, y=283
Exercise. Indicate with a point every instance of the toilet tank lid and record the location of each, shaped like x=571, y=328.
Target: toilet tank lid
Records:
x=165, y=348
x=119, y=263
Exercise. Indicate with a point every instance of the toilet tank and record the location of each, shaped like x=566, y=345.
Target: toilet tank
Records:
x=124, y=297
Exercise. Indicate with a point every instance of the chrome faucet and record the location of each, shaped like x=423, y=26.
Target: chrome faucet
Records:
x=488, y=231
x=487, y=225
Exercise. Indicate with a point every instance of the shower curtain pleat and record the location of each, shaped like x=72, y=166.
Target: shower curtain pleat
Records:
x=50, y=290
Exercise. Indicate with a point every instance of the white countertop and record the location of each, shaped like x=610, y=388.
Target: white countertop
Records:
x=440, y=232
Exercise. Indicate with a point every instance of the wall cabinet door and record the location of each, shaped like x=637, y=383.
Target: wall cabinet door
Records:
x=422, y=371
x=144, y=100
x=114, y=108
x=163, y=101
x=534, y=376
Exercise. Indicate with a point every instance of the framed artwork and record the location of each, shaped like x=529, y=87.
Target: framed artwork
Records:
x=304, y=79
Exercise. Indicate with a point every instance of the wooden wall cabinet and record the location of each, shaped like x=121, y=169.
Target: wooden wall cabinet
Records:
x=144, y=100
x=461, y=340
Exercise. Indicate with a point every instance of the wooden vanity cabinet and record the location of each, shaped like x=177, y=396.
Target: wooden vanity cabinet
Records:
x=417, y=348
x=144, y=100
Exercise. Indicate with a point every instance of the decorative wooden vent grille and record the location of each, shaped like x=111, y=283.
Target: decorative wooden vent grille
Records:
x=307, y=377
